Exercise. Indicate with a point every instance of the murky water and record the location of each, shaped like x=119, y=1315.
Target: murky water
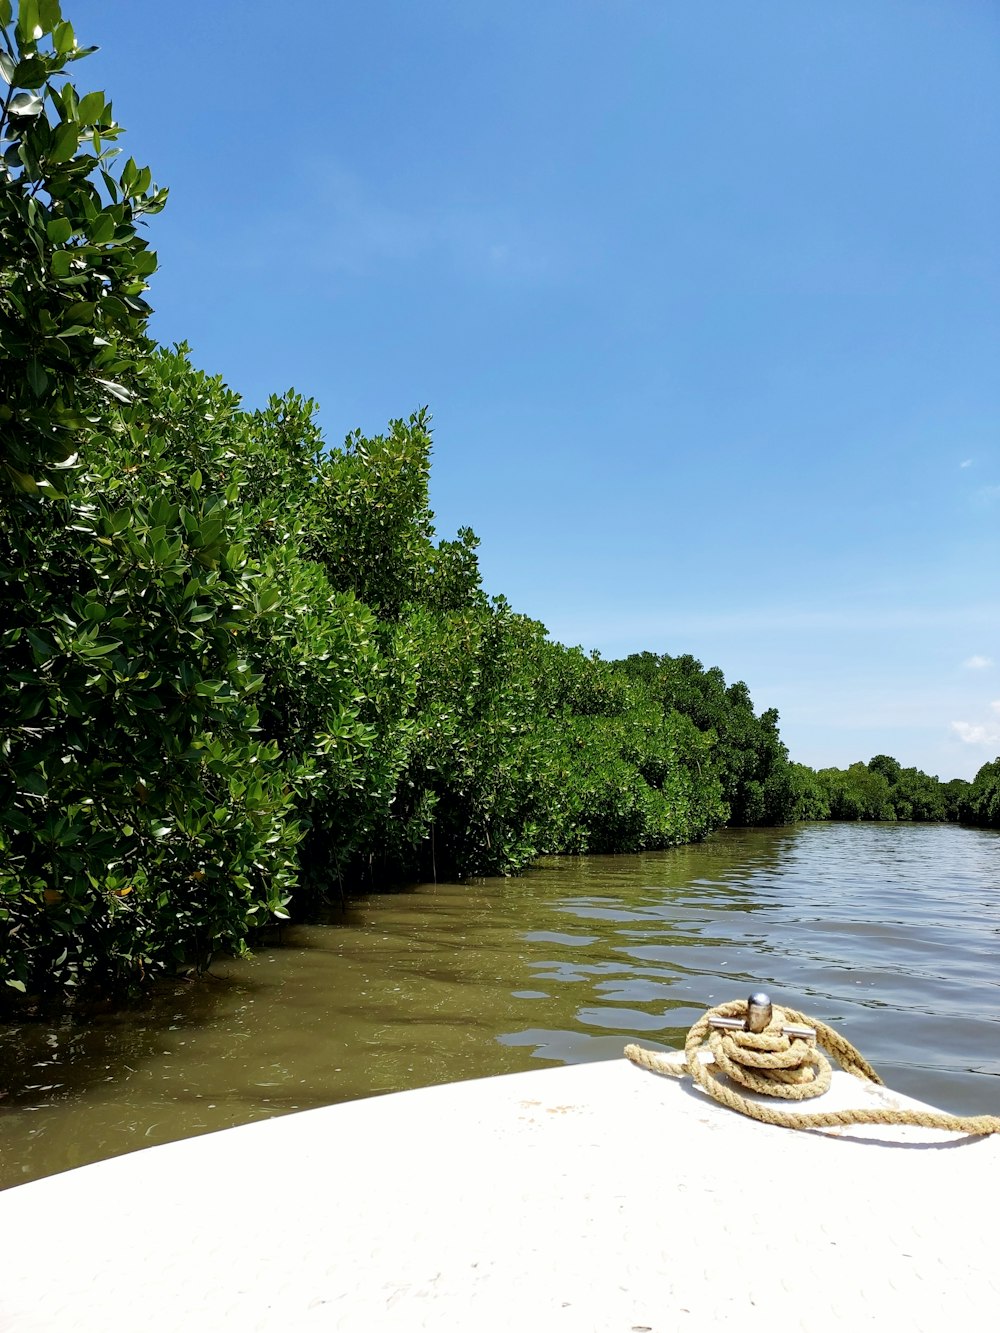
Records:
x=891, y=933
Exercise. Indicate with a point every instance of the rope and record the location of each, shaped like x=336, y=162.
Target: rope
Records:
x=793, y=1068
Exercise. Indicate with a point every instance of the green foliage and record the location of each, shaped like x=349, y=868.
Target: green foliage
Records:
x=980, y=803
x=526, y=747
x=146, y=820
x=915, y=795
x=889, y=768
x=879, y=790
x=373, y=532
x=198, y=726
x=812, y=795
x=239, y=673
x=955, y=795
x=857, y=793
x=747, y=755
x=73, y=267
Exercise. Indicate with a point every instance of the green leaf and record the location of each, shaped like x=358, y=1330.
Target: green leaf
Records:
x=61, y=263
x=98, y=649
x=6, y=68
x=113, y=306
x=16, y=985
x=27, y=22
x=103, y=229
x=30, y=73
x=116, y=390
x=49, y=14
x=59, y=230
x=30, y=705
x=43, y=649
x=91, y=108
x=26, y=104
x=81, y=312
x=65, y=143
x=21, y=480
x=63, y=38
x=37, y=377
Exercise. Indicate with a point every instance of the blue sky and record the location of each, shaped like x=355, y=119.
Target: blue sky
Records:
x=702, y=297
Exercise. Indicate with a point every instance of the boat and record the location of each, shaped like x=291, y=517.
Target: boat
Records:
x=591, y=1197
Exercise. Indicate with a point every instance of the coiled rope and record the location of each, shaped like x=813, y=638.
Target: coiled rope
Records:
x=787, y=1065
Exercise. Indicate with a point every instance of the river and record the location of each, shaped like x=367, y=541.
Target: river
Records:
x=891, y=933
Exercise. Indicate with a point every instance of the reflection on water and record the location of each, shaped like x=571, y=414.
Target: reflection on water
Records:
x=891, y=933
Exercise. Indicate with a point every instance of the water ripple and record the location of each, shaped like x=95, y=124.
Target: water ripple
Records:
x=888, y=932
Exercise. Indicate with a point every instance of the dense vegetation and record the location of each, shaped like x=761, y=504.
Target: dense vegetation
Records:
x=239, y=672
x=883, y=790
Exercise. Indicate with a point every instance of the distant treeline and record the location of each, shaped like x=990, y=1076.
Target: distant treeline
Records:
x=240, y=675
x=883, y=790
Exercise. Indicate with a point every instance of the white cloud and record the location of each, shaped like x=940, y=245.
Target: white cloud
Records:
x=966, y=462
x=980, y=733
x=976, y=733
x=977, y=662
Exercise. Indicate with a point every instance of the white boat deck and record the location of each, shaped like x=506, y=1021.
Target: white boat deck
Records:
x=596, y=1197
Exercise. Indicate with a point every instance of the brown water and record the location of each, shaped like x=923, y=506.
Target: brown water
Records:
x=889, y=932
